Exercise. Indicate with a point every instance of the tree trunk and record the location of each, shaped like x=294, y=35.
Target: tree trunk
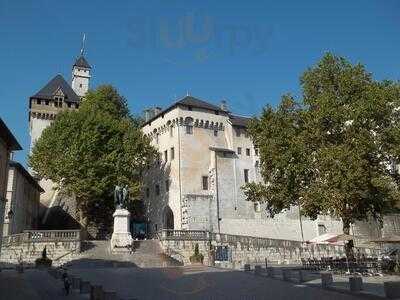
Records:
x=83, y=221
x=349, y=245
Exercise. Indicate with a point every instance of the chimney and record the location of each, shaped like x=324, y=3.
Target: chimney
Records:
x=157, y=110
x=224, y=105
x=147, y=113
x=151, y=112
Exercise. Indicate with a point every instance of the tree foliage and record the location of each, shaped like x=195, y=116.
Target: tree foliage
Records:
x=91, y=149
x=331, y=152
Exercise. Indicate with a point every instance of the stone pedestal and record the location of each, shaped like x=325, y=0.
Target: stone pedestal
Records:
x=121, y=238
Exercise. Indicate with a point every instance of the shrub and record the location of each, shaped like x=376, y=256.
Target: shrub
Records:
x=197, y=257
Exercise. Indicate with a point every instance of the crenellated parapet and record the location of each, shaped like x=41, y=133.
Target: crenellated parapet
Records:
x=42, y=115
x=186, y=121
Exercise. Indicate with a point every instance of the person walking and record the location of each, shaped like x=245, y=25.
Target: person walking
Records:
x=67, y=283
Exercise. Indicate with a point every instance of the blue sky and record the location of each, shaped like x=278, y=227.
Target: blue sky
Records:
x=247, y=52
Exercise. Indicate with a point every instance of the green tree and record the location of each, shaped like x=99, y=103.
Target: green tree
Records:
x=89, y=150
x=331, y=152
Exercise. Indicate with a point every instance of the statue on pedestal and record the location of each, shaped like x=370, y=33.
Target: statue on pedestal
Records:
x=121, y=195
x=121, y=238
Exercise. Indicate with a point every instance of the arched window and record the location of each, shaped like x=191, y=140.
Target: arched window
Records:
x=189, y=125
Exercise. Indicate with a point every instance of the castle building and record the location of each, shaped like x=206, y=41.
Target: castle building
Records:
x=23, y=201
x=206, y=156
x=8, y=144
x=57, y=95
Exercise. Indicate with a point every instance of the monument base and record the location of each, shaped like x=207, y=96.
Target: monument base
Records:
x=121, y=239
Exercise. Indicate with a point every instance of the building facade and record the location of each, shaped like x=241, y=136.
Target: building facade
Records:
x=23, y=201
x=206, y=156
x=8, y=144
x=56, y=96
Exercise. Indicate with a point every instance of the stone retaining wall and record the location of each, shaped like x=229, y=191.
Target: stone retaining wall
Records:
x=245, y=249
x=61, y=246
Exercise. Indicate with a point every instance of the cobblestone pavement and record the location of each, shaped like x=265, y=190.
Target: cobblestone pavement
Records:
x=32, y=285
x=199, y=283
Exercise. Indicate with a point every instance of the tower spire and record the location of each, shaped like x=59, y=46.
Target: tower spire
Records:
x=83, y=44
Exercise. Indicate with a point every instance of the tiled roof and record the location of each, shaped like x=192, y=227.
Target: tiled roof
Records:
x=189, y=101
x=82, y=62
x=239, y=120
x=194, y=102
x=8, y=137
x=48, y=91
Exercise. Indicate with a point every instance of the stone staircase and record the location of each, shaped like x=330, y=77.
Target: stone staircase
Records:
x=145, y=254
x=149, y=254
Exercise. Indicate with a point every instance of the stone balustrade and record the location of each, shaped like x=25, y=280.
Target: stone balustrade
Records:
x=246, y=249
x=60, y=246
x=41, y=236
x=187, y=235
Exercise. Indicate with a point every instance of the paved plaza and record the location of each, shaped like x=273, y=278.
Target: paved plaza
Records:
x=198, y=283
x=173, y=283
x=32, y=285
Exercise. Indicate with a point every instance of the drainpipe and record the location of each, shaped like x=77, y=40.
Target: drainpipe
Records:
x=301, y=225
x=216, y=190
x=179, y=171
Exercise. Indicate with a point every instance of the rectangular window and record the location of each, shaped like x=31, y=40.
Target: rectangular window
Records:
x=205, y=182
x=38, y=101
x=248, y=151
x=189, y=129
x=239, y=150
x=147, y=192
x=256, y=151
x=171, y=131
x=215, y=132
x=321, y=229
x=167, y=185
x=246, y=134
x=172, y=153
x=165, y=155
x=157, y=190
x=246, y=175
x=238, y=132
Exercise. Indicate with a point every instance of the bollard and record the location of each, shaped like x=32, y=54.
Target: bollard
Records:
x=84, y=287
x=326, y=280
x=302, y=276
x=52, y=272
x=96, y=292
x=271, y=272
x=286, y=274
x=75, y=283
x=110, y=295
x=247, y=267
x=392, y=289
x=356, y=283
x=257, y=270
x=20, y=268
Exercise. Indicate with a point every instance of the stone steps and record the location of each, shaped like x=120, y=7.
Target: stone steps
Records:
x=146, y=254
